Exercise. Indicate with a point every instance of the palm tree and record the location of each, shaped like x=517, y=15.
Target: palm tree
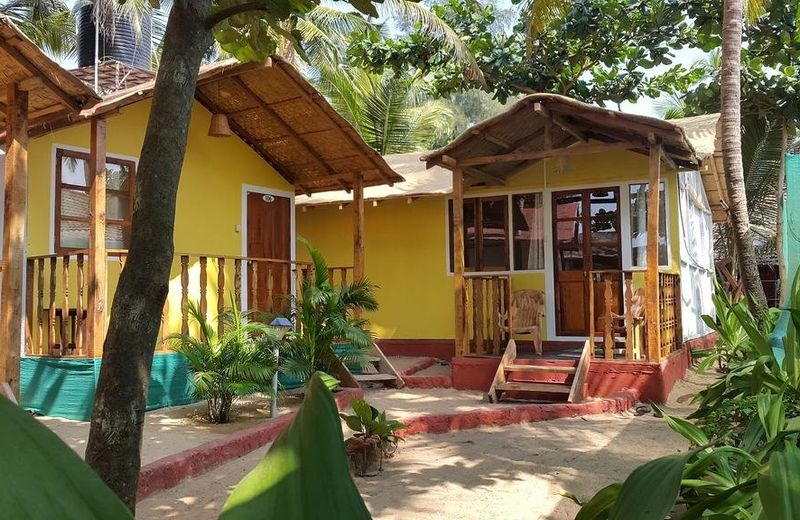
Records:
x=49, y=23
x=327, y=314
x=731, y=137
x=392, y=113
x=225, y=366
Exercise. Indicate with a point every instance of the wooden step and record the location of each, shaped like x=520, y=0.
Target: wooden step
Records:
x=374, y=378
x=372, y=359
x=556, y=369
x=553, y=388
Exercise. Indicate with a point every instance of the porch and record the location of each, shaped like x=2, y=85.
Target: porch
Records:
x=614, y=313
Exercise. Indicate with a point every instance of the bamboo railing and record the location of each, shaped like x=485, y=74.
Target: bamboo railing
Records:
x=57, y=304
x=488, y=297
x=669, y=311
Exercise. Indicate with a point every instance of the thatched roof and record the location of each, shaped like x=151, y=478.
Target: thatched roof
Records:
x=419, y=182
x=52, y=91
x=521, y=129
x=284, y=119
x=702, y=131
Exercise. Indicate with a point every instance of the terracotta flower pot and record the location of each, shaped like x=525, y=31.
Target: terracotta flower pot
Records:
x=363, y=456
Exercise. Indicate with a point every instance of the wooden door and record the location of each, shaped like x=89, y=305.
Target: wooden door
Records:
x=269, y=237
x=586, y=238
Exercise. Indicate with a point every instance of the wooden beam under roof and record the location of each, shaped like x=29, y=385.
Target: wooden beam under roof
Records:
x=556, y=152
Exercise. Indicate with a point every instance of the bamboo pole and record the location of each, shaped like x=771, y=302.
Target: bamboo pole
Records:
x=651, y=276
x=358, y=227
x=98, y=267
x=14, y=211
x=461, y=338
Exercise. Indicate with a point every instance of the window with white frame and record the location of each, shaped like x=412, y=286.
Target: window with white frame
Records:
x=501, y=233
x=638, y=203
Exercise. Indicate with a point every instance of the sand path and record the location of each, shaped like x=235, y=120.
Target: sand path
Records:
x=513, y=472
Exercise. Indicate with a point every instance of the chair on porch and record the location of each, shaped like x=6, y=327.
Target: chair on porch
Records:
x=631, y=324
x=527, y=313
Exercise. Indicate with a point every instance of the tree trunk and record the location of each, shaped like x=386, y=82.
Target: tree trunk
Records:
x=779, y=191
x=732, y=153
x=115, y=435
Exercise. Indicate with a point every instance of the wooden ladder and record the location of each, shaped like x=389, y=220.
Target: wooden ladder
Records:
x=573, y=375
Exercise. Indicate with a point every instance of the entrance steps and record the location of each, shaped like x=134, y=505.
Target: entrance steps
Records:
x=539, y=379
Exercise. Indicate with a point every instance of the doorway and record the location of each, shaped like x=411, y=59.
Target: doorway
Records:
x=586, y=239
x=269, y=237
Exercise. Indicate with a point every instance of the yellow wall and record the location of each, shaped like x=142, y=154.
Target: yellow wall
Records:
x=209, y=195
x=406, y=244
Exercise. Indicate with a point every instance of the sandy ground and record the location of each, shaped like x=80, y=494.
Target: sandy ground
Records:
x=171, y=430
x=401, y=363
x=514, y=472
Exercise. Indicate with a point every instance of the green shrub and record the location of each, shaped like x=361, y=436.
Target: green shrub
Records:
x=238, y=362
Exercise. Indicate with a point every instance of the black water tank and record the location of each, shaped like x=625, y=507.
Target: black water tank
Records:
x=123, y=44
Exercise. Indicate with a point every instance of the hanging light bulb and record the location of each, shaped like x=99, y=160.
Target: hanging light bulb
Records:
x=219, y=126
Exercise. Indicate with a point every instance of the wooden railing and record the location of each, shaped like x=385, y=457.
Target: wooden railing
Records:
x=487, y=301
x=669, y=312
x=621, y=329
x=57, y=294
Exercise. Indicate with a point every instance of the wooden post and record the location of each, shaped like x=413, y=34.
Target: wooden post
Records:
x=358, y=227
x=98, y=267
x=651, y=277
x=14, y=211
x=461, y=337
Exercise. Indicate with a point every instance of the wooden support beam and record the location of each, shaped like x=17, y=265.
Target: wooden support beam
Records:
x=556, y=152
x=488, y=178
x=461, y=339
x=358, y=227
x=651, y=276
x=15, y=211
x=98, y=267
x=569, y=128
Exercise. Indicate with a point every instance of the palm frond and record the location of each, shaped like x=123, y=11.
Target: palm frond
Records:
x=540, y=14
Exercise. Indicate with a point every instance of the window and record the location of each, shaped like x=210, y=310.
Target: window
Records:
x=487, y=240
x=638, y=198
x=485, y=233
x=73, y=180
x=528, y=231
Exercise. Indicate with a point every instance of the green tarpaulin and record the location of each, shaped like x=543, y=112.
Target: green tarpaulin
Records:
x=62, y=387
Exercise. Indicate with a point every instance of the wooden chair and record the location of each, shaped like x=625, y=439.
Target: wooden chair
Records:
x=527, y=313
x=631, y=323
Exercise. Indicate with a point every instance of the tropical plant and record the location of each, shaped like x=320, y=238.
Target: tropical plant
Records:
x=393, y=113
x=367, y=422
x=758, y=478
x=757, y=369
x=226, y=366
x=328, y=314
x=42, y=477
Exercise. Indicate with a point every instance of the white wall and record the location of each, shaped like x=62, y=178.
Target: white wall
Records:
x=697, y=255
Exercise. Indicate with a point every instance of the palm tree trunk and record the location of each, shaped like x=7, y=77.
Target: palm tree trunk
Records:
x=779, y=189
x=732, y=152
x=115, y=434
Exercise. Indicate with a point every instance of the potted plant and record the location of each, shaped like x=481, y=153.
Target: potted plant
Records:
x=375, y=438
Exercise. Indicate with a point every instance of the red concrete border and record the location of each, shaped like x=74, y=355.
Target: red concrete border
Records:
x=504, y=415
x=170, y=471
x=428, y=381
x=419, y=366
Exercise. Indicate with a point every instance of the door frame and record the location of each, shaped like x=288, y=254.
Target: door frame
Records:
x=252, y=188
x=587, y=244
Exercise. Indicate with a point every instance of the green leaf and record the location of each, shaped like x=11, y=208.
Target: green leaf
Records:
x=771, y=413
x=649, y=493
x=779, y=487
x=41, y=477
x=600, y=504
x=304, y=474
x=686, y=429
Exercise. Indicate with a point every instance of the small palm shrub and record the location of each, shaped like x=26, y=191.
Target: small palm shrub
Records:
x=326, y=315
x=224, y=367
